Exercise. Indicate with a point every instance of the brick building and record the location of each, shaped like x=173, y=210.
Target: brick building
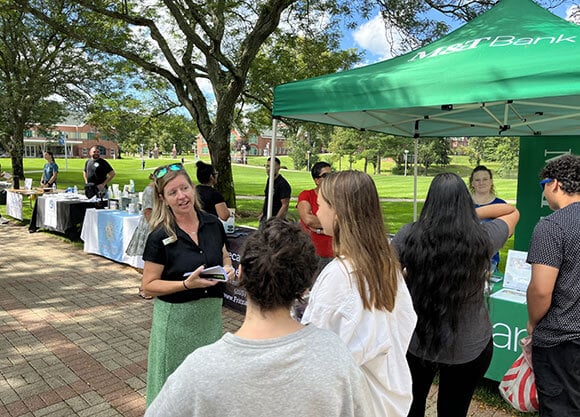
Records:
x=71, y=138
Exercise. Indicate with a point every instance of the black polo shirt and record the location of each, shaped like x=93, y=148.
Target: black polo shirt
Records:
x=184, y=255
x=97, y=170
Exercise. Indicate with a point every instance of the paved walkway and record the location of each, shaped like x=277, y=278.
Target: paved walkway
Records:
x=74, y=333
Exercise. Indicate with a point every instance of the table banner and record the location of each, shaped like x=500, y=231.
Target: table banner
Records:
x=110, y=230
x=51, y=212
x=14, y=205
x=234, y=295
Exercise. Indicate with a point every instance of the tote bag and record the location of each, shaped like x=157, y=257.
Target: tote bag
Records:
x=518, y=385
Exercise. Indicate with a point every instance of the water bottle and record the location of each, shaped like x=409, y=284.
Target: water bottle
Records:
x=131, y=186
x=75, y=190
x=54, y=188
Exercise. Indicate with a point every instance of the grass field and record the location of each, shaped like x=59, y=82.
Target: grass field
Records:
x=250, y=180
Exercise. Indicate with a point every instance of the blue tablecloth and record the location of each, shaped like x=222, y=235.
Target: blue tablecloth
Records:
x=108, y=233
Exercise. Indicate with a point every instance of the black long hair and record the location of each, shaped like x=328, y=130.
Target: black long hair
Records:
x=446, y=256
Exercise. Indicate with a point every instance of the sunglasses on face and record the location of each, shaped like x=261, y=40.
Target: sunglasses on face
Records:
x=162, y=171
x=544, y=182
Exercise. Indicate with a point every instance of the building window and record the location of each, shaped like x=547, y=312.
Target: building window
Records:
x=85, y=152
x=90, y=135
x=253, y=139
x=28, y=133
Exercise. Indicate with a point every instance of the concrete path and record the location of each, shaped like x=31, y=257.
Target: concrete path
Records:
x=74, y=333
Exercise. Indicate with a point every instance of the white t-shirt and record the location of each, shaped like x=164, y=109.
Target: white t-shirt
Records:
x=378, y=340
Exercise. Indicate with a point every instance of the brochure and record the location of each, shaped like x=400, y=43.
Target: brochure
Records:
x=517, y=277
x=215, y=272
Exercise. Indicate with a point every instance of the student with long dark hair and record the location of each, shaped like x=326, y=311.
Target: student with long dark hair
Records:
x=445, y=256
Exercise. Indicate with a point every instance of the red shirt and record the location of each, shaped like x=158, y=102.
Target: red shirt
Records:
x=322, y=243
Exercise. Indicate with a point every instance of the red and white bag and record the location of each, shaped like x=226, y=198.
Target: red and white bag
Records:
x=518, y=385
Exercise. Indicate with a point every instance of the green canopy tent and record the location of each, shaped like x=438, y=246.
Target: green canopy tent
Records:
x=514, y=70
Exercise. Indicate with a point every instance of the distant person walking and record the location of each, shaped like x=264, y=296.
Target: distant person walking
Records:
x=282, y=193
x=97, y=173
x=554, y=291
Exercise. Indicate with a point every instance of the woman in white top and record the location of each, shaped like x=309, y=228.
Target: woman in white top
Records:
x=361, y=294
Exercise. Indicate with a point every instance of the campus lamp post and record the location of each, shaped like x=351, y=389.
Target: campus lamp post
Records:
x=406, y=158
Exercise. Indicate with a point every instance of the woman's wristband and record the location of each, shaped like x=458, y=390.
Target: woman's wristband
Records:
x=185, y=286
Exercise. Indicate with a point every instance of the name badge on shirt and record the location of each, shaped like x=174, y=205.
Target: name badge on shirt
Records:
x=169, y=240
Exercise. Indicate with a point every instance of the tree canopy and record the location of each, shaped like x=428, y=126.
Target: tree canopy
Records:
x=41, y=72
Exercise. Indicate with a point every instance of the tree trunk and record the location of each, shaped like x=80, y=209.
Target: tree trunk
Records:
x=16, y=154
x=219, y=148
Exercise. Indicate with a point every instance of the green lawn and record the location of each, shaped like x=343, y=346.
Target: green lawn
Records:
x=250, y=180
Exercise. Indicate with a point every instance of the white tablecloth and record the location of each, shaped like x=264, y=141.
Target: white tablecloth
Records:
x=108, y=233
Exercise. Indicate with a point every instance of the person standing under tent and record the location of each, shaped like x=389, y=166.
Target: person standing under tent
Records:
x=483, y=194
x=307, y=209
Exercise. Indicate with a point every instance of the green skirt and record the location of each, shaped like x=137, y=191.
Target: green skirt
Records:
x=178, y=329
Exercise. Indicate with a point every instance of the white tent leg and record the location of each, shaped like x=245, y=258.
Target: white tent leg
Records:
x=272, y=168
x=416, y=154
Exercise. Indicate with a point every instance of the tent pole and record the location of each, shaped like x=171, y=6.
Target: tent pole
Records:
x=272, y=168
x=416, y=152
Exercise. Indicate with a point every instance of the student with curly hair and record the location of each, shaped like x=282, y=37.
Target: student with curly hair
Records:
x=445, y=256
x=554, y=291
x=273, y=365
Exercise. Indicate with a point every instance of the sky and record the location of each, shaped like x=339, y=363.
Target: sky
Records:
x=369, y=37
